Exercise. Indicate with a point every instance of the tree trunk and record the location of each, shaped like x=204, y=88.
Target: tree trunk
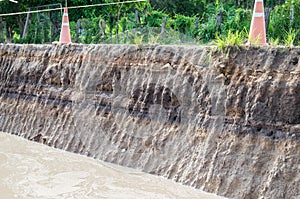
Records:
x=1, y=31
x=125, y=33
x=137, y=20
x=56, y=22
x=102, y=28
x=77, y=30
x=292, y=15
x=26, y=24
x=163, y=26
x=267, y=18
x=218, y=22
x=117, y=33
x=21, y=24
x=111, y=26
x=117, y=26
x=197, y=23
x=9, y=34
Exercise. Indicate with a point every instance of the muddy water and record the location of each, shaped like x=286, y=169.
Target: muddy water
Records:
x=32, y=170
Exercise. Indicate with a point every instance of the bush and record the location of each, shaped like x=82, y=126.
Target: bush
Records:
x=155, y=18
x=280, y=24
x=184, y=24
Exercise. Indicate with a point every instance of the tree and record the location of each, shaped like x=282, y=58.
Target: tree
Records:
x=183, y=7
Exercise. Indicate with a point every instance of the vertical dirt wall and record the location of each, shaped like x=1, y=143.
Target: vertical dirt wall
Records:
x=228, y=123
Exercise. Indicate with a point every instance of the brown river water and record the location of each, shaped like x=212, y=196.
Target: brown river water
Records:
x=33, y=170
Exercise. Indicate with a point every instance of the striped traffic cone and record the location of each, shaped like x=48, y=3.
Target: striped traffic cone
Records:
x=65, y=36
x=257, y=33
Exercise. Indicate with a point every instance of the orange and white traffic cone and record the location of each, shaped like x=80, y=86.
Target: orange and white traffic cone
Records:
x=257, y=33
x=65, y=36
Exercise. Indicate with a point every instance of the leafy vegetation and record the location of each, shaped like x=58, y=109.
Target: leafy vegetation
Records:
x=231, y=39
x=166, y=22
x=289, y=38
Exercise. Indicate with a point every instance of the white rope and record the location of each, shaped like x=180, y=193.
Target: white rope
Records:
x=72, y=7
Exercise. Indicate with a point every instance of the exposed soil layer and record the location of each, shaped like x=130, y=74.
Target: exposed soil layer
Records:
x=228, y=123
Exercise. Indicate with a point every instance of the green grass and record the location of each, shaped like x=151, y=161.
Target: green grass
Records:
x=274, y=42
x=290, y=38
x=231, y=39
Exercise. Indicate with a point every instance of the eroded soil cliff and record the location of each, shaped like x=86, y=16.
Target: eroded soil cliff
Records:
x=228, y=123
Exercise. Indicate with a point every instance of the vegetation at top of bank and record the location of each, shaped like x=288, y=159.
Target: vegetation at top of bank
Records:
x=217, y=22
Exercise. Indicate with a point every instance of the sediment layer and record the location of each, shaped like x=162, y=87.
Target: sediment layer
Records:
x=228, y=123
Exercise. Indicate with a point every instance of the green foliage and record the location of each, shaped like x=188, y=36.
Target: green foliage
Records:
x=138, y=39
x=274, y=42
x=232, y=19
x=155, y=18
x=237, y=19
x=207, y=30
x=183, y=7
x=290, y=37
x=183, y=23
x=281, y=23
x=230, y=39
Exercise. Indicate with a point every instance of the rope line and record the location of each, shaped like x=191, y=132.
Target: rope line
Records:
x=72, y=7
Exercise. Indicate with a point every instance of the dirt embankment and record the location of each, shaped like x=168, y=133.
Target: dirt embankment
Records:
x=226, y=123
